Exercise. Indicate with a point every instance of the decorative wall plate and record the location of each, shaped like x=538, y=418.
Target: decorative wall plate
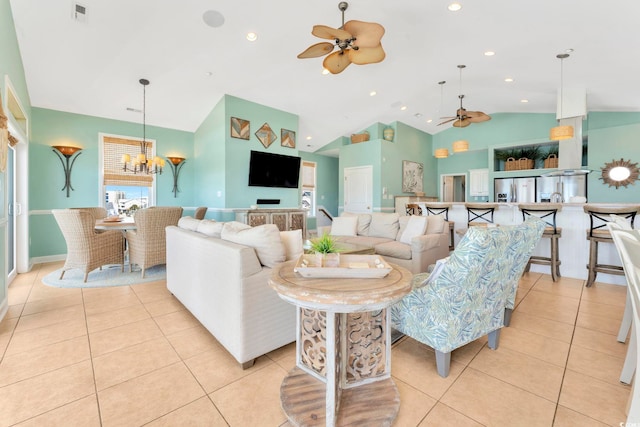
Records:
x=266, y=135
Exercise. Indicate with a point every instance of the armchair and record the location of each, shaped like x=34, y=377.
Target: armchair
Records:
x=148, y=242
x=467, y=299
x=87, y=249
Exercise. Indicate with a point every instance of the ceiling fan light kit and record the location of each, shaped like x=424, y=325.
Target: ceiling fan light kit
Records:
x=561, y=132
x=358, y=43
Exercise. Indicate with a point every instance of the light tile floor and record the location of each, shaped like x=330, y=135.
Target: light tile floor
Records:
x=132, y=356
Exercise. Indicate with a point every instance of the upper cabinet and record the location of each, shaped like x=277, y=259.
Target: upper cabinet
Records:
x=478, y=182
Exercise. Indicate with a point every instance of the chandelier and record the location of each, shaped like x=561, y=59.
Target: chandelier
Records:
x=142, y=163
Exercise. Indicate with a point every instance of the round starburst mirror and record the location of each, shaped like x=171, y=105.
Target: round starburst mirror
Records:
x=619, y=173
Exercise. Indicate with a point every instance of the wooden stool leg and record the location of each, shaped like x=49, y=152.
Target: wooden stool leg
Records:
x=555, y=268
x=593, y=259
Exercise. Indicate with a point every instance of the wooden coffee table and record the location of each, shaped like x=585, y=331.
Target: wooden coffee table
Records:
x=343, y=348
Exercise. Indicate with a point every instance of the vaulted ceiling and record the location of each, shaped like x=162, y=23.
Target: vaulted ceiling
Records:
x=92, y=66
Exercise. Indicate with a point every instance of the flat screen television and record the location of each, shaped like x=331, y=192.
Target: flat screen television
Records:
x=273, y=170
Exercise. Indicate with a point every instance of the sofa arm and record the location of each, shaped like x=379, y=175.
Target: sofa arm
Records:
x=427, y=249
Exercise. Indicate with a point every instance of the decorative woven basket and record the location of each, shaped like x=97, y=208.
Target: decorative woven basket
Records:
x=359, y=137
x=511, y=164
x=524, y=163
x=551, y=161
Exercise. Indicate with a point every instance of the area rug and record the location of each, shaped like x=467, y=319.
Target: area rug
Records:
x=110, y=275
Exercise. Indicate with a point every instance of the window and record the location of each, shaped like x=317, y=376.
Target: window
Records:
x=123, y=192
x=309, y=187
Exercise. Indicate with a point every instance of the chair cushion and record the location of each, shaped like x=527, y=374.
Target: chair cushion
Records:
x=344, y=226
x=292, y=241
x=384, y=225
x=189, y=223
x=210, y=227
x=394, y=249
x=265, y=239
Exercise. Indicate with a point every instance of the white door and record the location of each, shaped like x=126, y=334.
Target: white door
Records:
x=358, y=189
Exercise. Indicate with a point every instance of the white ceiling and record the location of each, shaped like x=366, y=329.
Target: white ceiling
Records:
x=93, y=67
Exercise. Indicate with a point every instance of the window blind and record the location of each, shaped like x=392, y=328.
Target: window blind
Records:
x=308, y=175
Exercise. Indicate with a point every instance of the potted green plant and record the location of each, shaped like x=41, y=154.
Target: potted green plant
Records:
x=326, y=250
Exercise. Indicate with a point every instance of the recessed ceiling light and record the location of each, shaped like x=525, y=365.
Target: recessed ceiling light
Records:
x=213, y=18
x=325, y=71
x=454, y=7
x=251, y=36
x=208, y=74
x=489, y=53
x=429, y=121
x=309, y=138
x=373, y=93
x=508, y=80
x=524, y=101
x=404, y=107
x=568, y=51
x=417, y=115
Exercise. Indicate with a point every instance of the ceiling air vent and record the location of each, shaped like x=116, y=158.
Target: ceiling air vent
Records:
x=79, y=12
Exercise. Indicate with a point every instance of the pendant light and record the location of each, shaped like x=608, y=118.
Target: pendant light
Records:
x=560, y=132
x=142, y=163
x=441, y=153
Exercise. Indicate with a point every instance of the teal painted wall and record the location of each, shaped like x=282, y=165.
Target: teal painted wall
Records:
x=10, y=65
x=46, y=176
x=209, y=160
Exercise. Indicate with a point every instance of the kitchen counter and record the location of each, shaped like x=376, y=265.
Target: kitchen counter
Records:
x=573, y=245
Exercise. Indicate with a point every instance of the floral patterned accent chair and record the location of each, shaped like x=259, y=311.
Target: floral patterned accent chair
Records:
x=467, y=297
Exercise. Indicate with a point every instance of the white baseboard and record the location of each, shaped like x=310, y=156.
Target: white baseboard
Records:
x=48, y=258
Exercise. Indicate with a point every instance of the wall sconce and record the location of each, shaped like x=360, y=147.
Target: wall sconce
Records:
x=176, y=164
x=67, y=153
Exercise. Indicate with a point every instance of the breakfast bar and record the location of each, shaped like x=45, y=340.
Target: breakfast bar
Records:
x=573, y=246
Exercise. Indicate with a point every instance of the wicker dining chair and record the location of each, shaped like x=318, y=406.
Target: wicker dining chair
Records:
x=86, y=248
x=148, y=242
x=200, y=212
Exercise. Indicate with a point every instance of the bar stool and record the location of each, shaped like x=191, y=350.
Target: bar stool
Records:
x=413, y=209
x=478, y=214
x=546, y=212
x=442, y=208
x=599, y=233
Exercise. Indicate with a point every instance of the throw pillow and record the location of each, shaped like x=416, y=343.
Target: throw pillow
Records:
x=363, y=222
x=210, y=228
x=265, y=239
x=435, y=224
x=384, y=225
x=415, y=227
x=189, y=223
x=344, y=226
x=292, y=241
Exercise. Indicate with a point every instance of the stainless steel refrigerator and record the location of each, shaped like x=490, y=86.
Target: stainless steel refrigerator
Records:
x=561, y=188
x=515, y=190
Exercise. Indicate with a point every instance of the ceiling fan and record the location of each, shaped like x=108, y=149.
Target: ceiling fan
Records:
x=464, y=118
x=358, y=41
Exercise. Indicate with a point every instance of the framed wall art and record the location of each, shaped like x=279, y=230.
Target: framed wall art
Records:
x=265, y=135
x=287, y=138
x=240, y=128
x=412, y=174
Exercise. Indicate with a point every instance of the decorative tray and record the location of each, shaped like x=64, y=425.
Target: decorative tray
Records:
x=351, y=266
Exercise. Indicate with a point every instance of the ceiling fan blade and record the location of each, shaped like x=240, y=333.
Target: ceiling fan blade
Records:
x=325, y=32
x=367, y=34
x=447, y=121
x=316, y=50
x=366, y=55
x=461, y=123
x=336, y=62
x=477, y=116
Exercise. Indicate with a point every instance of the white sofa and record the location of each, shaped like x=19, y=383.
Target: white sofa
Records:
x=426, y=241
x=225, y=286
